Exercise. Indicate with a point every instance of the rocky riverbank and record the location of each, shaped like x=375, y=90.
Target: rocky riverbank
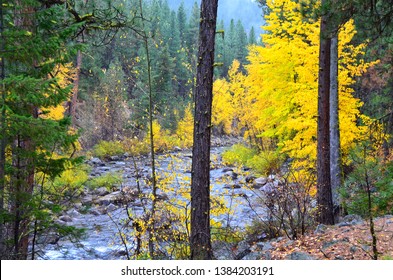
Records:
x=102, y=211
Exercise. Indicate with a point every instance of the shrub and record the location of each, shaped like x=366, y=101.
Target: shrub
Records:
x=266, y=162
x=135, y=146
x=185, y=129
x=288, y=205
x=108, y=148
x=109, y=180
x=238, y=154
x=263, y=163
x=69, y=184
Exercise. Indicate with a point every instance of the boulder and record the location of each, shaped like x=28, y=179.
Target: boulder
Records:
x=110, y=208
x=87, y=199
x=95, y=212
x=268, y=188
x=260, y=182
x=115, y=198
x=73, y=213
x=95, y=161
x=350, y=220
x=177, y=149
x=114, y=158
x=299, y=256
x=65, y=218
x=101, y=191
x=321, y=229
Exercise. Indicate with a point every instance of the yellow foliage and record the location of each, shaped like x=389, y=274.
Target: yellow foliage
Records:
x=185, y=128
x=277, y=99
x=64, y=74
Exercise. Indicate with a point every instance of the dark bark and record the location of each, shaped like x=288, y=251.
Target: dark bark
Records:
x=22, y=181
x=200, y=179
x=3, y=142
x=324, y=192
x=74, y=97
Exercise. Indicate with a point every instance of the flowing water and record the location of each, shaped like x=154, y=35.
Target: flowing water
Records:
x=102, y=239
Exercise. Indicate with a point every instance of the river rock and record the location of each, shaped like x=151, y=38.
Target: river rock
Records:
x=73, y=213
x=110, y=208
x=95, y=212
x=269, y=188
x=115, y=197
x=299, y=256
x=101, y=191
x=177, y=149
x=95, y=161
x=87, y=199
x=65, y=218
x=260, y=182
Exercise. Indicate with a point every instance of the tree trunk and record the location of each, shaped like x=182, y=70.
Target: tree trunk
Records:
x=335, y=147
x=22, y=181
x=75, y=89
x=152, y=218
x=3, y=126
x=324, y=192
x=200, y=178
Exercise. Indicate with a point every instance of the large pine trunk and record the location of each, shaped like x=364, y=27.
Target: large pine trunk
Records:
x=3, y=141
x=22, y=181
x=324, y=192
x=200, y=179
x=74, y=97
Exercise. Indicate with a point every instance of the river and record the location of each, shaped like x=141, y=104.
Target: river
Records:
x=102, y=240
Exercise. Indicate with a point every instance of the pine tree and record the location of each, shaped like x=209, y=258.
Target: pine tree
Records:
x=252, y=39
x=35, y=47
x=200, y=171
x=240, y=43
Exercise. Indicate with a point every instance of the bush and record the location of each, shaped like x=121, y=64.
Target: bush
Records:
x=238, y=154
x=69, y=184
x=135, y=146
x=288, y=206
x=109, y=180
x=371, y=178
x=263, y=163
x=266, y=162
x=108, y=148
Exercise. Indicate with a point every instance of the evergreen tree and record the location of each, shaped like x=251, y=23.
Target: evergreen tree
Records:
x=182, y=25
x=252, y=39
x=200, y=241
x=35, y=48
x=240, y=42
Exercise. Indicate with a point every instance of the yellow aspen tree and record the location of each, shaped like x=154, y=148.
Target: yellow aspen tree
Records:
x=282, y=81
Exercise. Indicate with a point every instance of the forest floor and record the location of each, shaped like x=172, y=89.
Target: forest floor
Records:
x=345, y=241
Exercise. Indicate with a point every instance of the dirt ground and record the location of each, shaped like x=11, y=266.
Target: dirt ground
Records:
x=340, y=242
